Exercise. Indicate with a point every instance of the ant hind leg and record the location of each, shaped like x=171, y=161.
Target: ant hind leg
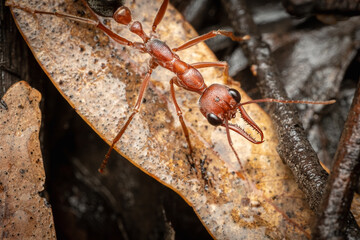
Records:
x=57, y=14
x=95, y=23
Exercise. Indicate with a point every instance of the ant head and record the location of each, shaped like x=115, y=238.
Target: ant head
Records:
x=219, y=104
x=122, y=15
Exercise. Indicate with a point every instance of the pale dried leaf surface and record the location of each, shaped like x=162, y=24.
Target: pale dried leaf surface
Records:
x=24, y=213
x=100, y=79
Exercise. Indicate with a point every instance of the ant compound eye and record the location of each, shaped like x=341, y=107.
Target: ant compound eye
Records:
x=213, y=119
x=235, y=95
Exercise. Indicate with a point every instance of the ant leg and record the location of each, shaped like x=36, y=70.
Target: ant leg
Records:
x=135, y=110
x=160, y=14
x=179, y=113
x=242, y=173
x=57, y=14
x=224, y=65
x=209, y=35
x=96, y=23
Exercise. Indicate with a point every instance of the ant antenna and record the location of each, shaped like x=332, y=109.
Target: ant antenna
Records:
x=288, y=101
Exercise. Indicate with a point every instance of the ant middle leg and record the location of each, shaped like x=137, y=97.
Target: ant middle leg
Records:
x=221, y=64
x=209, y=35
x=136, y=108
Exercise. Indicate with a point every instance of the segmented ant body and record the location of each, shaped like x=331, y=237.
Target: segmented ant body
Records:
x=218, y=103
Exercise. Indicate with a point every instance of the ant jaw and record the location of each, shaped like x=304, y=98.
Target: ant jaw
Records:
x=241, y=131
x=251, y=122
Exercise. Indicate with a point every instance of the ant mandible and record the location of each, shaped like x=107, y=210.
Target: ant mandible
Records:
x=218, y=103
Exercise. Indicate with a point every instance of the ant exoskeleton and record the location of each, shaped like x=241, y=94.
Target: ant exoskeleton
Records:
x=218, y=103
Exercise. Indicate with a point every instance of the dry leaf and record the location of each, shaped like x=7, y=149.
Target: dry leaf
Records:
x=24, y=213
x=101, y=79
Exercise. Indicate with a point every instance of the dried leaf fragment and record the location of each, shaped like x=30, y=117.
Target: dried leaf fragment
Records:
x=24, y=213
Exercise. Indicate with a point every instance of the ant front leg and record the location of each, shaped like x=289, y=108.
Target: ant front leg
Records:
x=179, y=113
x=223, y=65
x=135, y=110
x=209, y=35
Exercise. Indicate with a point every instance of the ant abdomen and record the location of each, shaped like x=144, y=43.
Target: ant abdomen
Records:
x=122, y=15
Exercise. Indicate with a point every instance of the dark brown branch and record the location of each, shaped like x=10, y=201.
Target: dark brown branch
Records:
x=294, y=148
x=302, y=8
x=343, y=179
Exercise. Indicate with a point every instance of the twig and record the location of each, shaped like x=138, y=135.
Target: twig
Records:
x=343, y=179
